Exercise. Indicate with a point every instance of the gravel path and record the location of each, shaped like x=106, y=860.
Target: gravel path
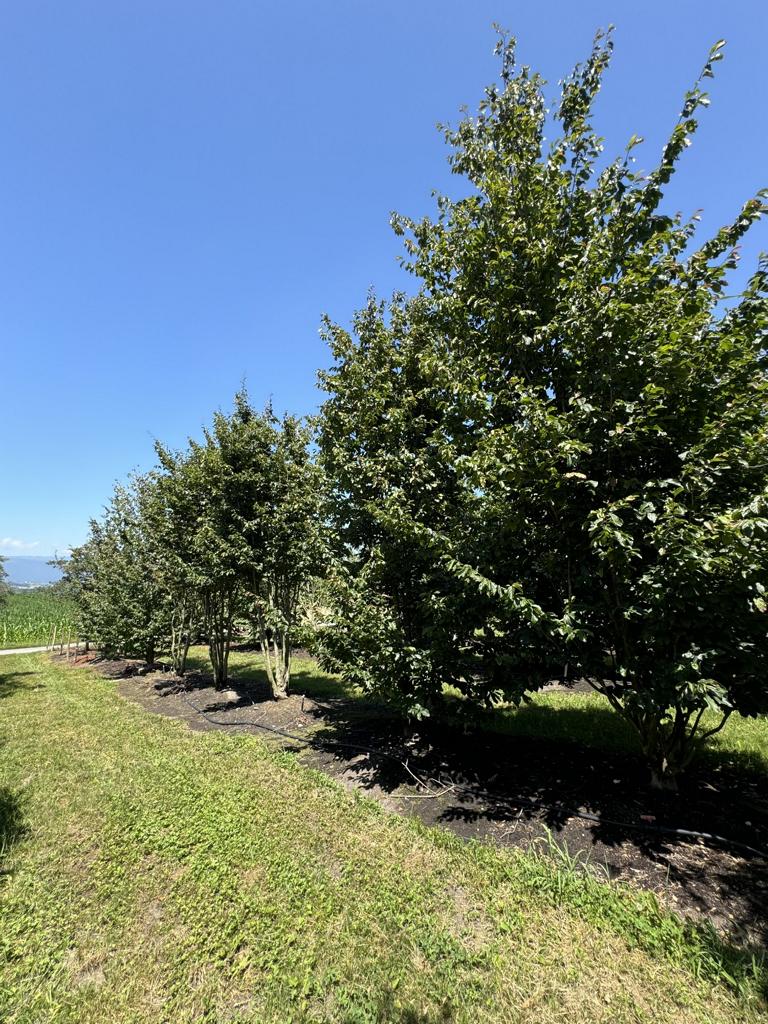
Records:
x=25, y=650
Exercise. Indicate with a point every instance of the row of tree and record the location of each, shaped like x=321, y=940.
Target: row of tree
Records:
x=550, y=462
x=221, y=536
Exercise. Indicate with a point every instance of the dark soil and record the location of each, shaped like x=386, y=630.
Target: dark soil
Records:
x=512, y=790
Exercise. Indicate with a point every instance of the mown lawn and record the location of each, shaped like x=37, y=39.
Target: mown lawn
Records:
x=584, y=718
x=587, y=718
x=152, y=874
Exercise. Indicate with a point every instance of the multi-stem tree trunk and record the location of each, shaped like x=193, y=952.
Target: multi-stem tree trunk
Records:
x=181, y=633
x=669, y=736
x=277, y=659
x=275, y=618
x=218, y=608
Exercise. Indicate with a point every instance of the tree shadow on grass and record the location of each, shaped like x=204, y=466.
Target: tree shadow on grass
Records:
x=248, y=677
x=537, y=773
x=12, y=681
x=389, y=1014
x=13, y=825
x=246, y=693
x=519, y=785
x=387, y=1011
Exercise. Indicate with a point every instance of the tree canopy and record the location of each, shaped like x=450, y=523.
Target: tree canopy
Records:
x=550, y=461
x=546, y=464
x=223, y=538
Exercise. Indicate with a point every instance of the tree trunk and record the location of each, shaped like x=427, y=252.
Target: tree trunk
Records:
x=666, y=748
x=283, y=666
x=277, y=662
x=663, y=781
x=217, y=605
x=216, y=648
x=183, y=651
x=181, y=636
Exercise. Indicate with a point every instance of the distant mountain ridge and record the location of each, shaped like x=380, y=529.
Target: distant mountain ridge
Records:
x=29, y=570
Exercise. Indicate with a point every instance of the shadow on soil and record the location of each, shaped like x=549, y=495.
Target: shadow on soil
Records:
x=520, y=780
x=515, y=787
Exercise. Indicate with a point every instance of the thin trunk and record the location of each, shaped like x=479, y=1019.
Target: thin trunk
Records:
x=668, y=748
x=182, y=656
x=181, y=635
x=662, y=780
x=282, y=662
x=267, y=660
x=280, y=601
x=277, y=662
x=217, y=605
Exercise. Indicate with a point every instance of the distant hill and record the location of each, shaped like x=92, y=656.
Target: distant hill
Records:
x=29, y=570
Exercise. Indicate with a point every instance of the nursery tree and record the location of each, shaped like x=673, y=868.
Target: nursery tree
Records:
x=170, y=513
x=391, y=460
x=199, y=539
x=122, y=605
x=239, y=451
x=238, y=530
x=551, y=461
x=77, y=583
x=293, y=545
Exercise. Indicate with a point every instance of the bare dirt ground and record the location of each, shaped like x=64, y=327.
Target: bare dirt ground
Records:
x=512, y=790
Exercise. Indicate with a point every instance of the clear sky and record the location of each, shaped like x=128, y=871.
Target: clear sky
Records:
x=186, y=186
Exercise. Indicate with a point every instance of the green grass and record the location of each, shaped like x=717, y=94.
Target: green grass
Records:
x=584, y=718
x=154, y=874
x=306, y=676
x=587, y=718
x=28, y=618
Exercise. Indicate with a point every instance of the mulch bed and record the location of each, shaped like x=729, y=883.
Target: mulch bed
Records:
x=514, y=790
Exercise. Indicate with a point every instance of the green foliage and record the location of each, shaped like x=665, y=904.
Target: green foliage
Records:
x=197, y=876
x=229, y=529
x=552, y=459
x=28, y=618
x=207, y=531
x=238, y=524
x=294, y=550
x=112, y=576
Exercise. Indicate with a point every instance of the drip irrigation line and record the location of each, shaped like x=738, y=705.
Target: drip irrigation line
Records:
x=516, y=801
x=308, y=741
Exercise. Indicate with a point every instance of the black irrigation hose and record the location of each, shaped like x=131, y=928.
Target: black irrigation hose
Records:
x=519, y=801
x=319, y=744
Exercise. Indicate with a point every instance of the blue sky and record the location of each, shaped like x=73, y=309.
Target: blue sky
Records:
x=185, y=188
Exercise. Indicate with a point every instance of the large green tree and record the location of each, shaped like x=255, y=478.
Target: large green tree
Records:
x=551, y=460
x=202, y=502
x=238, y=525
x=123, y=606
x=293, y=538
